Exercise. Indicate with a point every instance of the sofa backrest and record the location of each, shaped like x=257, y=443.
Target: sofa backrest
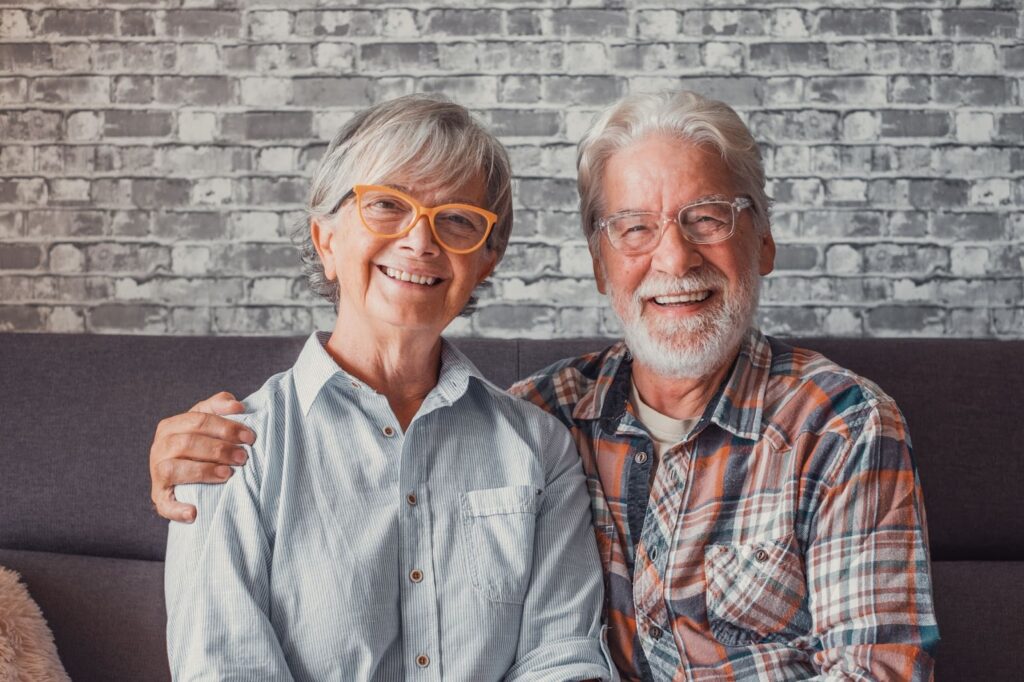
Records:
x=77, y=414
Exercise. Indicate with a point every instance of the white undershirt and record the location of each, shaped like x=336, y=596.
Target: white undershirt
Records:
x=666, y=431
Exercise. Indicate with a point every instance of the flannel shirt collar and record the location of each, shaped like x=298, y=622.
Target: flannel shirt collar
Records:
x=737, y=406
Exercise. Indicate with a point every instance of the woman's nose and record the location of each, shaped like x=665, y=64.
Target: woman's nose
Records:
x=420, y=239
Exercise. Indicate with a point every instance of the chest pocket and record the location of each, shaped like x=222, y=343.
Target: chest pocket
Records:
x=756, y=592
x=497, y=529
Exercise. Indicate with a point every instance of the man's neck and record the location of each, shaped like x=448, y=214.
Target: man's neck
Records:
x=678, y=397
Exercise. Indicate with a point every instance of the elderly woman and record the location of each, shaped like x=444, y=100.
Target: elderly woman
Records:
x=399, y=517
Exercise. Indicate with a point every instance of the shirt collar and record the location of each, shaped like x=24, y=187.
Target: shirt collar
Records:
x=315, y=368
x=737, y=406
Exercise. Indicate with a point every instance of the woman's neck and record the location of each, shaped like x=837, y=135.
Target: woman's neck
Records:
x=402, y=365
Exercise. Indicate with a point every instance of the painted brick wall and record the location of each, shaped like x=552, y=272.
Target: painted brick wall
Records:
x=154, y=152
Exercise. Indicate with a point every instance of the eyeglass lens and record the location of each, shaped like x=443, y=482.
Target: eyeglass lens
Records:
x=701, y=223
x=387, y=214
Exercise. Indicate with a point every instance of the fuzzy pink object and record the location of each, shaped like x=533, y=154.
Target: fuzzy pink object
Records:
x=27, y=651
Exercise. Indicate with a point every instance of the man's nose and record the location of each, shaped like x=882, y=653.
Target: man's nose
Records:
x=420, y=239
x=676, y=255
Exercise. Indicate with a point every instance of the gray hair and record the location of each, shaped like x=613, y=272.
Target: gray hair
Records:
x=419, y=136
x=685, y=115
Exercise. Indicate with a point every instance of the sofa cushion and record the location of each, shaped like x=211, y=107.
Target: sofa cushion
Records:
x=107, y=615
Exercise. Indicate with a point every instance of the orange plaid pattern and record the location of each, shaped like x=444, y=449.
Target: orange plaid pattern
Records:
x=785, y=538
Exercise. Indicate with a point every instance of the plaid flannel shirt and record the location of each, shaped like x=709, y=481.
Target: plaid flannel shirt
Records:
x=783, y=539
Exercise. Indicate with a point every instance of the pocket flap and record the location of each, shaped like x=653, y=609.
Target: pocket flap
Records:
x=513, y=499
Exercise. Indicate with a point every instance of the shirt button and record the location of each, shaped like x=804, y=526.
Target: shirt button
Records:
x=388, y=431
x=416, y=575
x=640, y=457
x=411, y=499
x=761, y=556
x=653, y=553
x=423, y=660
x=655, y=632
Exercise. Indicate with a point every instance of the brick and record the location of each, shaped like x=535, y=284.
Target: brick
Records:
x=68, y=191
x=913, y=22
x=1011, y=57
x=926, y=57
x=135, y=56
x=975, y=58
x=915, y=89
x=657, y=24
x=791, y=321
x=129, y=123
x=520, y=89
x=21, y=318
x=270, y=26
x=852, y=22
x=796, y=257
x=197, y=59
x=11, y=225
x=203, y=90
x=526, y=321
x=909, y=123
x=270, y=58
x=263, y=320
x=786, y=56
x=341, y=23
x=20, y=256
x=722, y=23
x=126, y=258
x=460, y=22
x=1008, y=321
x=524, y=123
x=14, y=24
x=990, y=192
x=980, y=23
x=974, y=90
x=906, y=320
x=724, y=56
x=133, y=90
x=389, y=57
x=203, y=24
x=76, y=23
x=910, y=258
x=127, y=317
x=23, y=191
x=268, y=125
x=338, y=57
x=70, y=89
x=268, y=191
x=342, y=91
x=848, y=56
x=794, y=125
x=547, y=194
x=598, y=90
x=938, y=193
x=69, y=223
x=788, y=23
x=590, y=23
x=138, y=23
x=469, y=91
x=858, y=90
x=266, y=91
x=16, y=159
x=160, y=193
x=971, y=226
x=15, y=57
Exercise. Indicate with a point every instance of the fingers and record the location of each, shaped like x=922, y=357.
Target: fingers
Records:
x=182, y=471
x=219, y=403
x=206, y=425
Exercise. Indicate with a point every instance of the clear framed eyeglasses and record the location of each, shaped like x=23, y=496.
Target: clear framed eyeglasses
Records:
x=703, y=222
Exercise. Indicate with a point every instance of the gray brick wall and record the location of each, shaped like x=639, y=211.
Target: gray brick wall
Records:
x=154, y=151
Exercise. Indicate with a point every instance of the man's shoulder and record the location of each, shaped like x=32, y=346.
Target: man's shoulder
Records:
x=561, y=385
x=808, y=391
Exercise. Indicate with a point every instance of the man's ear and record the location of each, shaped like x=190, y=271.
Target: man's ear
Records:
x=766, y=259
x=323, y=242
x=595, y=258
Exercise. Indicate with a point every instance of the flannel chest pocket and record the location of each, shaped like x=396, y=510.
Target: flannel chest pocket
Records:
x=498, y=528
x=756, y=592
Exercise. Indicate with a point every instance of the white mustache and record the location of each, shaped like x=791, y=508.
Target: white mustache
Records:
x=660, y=284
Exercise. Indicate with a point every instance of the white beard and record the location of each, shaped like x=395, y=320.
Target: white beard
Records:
x=695, y=346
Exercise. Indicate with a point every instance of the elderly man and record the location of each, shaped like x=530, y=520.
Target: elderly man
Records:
x=757, y=508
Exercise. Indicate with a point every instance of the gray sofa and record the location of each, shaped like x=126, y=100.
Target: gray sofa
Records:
x=77, y=413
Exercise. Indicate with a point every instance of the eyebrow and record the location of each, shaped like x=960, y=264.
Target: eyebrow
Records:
x=454, y=200
x=698, y=200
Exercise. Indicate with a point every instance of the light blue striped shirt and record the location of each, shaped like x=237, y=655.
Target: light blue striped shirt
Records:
x=347, y=550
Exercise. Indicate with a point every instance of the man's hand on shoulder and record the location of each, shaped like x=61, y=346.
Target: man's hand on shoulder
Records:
x=195, y=447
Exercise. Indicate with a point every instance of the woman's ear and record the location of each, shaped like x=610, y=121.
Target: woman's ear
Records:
x=323, y=241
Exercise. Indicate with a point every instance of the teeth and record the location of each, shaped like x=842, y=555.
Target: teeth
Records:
x=406, y=277
x=695, y=297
